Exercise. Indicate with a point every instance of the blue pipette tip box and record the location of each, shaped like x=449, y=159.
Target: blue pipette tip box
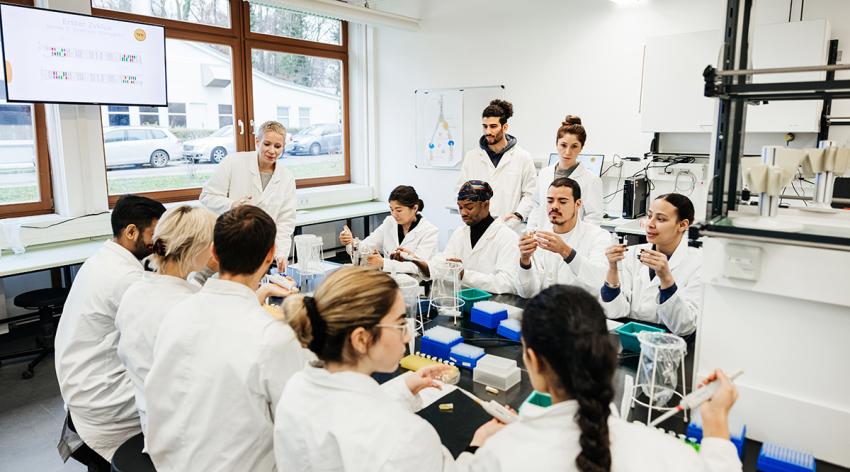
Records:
x=509, y=328
x=737, y=434
x=775, y=458
x=466, y=355
x=488, y=314
x=438, y=341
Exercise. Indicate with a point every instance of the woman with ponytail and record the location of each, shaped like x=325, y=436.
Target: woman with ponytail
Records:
x=404, y=231
x=569, y=141
x=333, y=415
x=569, y=355
x=181, y=244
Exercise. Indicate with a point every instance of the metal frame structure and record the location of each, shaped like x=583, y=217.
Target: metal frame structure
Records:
x=730, y=86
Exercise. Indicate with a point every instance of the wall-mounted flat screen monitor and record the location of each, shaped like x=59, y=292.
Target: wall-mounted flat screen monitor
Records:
x=58, y=57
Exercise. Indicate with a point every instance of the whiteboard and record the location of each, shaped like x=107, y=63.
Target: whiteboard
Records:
x=448, y=123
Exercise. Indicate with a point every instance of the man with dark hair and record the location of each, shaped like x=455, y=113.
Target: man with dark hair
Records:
x=501, y=162
x=221, y=361
x=486, y=246
x=572, y=253
x=92, y=378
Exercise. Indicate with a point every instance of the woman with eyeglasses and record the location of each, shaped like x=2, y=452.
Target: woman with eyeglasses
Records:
x=333, y=415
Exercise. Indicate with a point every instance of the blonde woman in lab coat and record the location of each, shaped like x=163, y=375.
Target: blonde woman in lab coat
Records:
x=405, y=230
x=569, y=355
x=659, y=281
x=333, y=415
x=569, y=140
x=257, y=178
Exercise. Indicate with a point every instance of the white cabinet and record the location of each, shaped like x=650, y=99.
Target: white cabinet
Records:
x=795, y=44
x=672, y=97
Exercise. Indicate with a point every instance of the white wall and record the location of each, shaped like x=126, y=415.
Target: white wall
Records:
x=555, y=58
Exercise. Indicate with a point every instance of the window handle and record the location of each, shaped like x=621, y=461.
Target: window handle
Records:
x=241, y=127
x=252, y=127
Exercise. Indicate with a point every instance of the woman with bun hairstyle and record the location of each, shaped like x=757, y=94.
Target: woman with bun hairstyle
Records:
x=569, y=355
x=569, y=140
x=333, y=415
x=502, y=163
x=404, y=231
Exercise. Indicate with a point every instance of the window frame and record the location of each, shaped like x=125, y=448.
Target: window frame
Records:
x=241, y=40
x=43, y=172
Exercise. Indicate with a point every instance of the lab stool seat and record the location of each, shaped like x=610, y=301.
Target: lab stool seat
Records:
x=130, y=458
x=47, y=302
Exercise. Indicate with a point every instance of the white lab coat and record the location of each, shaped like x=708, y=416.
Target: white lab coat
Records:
x=587, y=269
x=513, y=181
x=142, y=309
x=92, y=378
x=219, y=366
x=638, y=298
x=492, y=264
x=422, y=240
x=548, y=439
x=238, y=175
x=591, y=195
x=346, y=421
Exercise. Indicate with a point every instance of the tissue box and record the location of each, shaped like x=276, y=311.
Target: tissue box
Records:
x=509, y=328
x=466, y=355
x=472, y=295
x=438, y=341
x=496, y=372
x=489, y=314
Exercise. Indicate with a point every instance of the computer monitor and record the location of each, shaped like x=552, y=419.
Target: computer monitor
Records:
x=593, y=162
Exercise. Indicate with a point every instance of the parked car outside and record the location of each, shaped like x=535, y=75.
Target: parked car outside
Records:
x=135, y=145
x=316, y=139
x=213, y=147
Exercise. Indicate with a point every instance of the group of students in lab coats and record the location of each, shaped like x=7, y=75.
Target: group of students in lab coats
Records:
x=216, y=382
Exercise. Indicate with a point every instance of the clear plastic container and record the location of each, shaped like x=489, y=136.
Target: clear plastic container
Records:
x=497, y=372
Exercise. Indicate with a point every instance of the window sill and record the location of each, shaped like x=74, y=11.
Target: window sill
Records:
x=54, y=228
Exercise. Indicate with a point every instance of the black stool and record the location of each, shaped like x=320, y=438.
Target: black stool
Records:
x=48, y=302
x=130, y=458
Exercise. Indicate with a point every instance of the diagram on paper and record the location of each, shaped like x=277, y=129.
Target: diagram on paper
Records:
x=440, y=128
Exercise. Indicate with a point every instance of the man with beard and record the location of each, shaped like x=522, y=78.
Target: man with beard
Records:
x=93, y=381
x=485, y=246
x=573, y=253
x=502, y=163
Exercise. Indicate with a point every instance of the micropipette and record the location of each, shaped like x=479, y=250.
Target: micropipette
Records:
x=493, y=407
x=695, y=398
x=282, y=281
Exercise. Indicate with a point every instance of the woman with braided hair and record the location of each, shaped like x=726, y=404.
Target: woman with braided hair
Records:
x=333, y=415
x=569, y=355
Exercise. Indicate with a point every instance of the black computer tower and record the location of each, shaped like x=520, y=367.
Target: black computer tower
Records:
x=635, y=193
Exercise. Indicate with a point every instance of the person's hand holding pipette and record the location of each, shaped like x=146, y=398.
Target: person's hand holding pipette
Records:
x=715, y=411
x=345, y=237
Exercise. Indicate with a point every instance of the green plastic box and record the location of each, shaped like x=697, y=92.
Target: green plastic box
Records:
x=472, y=295
x=537, y=400
x=628, y=335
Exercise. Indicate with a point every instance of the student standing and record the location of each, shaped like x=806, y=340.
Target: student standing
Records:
x=502, y=163
x=257, y=178
x=569, y=140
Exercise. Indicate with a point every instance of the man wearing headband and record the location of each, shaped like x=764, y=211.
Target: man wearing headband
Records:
x=501, y=162
x=487, y=247
x=221, y=361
